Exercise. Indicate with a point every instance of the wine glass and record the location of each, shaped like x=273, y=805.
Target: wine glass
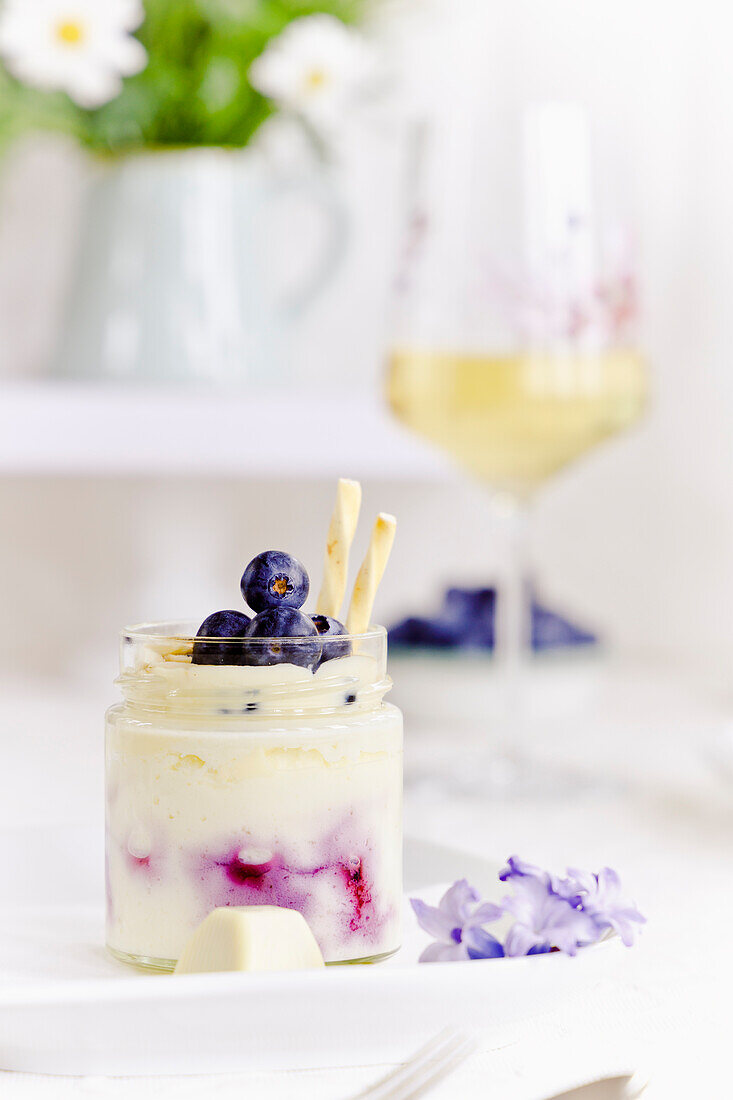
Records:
x=515, y=344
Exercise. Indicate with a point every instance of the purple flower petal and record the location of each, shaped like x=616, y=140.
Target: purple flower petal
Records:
x=434, y=921
x=608, y=879
x=443, y=952
x=601, y=897
x=520, y=940
x=486, y=912
x=456, y=925
x=542, y=917
x=480, y=944
x=458, y=900
x=577, y=882
x=518, y=868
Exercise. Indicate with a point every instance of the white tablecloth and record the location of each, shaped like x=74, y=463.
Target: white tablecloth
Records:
x=658, y=808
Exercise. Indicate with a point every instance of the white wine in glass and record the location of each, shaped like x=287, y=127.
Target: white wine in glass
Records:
x=514, y=420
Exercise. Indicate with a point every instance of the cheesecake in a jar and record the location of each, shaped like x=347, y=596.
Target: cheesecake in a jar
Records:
x=255, y=761
x=252, y=785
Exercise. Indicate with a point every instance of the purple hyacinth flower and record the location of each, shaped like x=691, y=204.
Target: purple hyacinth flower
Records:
x=602, y=899
x=543, y=919
x=550, y=913
x=520, y=868
x=456, y=925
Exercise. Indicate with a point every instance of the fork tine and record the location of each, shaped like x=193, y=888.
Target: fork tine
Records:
x=439, y=1051
x=377, y=1088
x=438, y=1067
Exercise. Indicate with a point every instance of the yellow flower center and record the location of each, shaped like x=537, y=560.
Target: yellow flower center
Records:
x=70, y=32
x=315, y=79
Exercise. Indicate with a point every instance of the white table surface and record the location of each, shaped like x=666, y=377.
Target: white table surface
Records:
x=655, y=803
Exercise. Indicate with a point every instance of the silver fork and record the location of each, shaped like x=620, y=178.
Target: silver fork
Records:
x=445, y=1052
x=439, y=1057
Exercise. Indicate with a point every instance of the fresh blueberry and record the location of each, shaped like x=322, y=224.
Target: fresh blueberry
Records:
x=275, y=579
x=276, y=625
x=329, y=629
x=222, y=624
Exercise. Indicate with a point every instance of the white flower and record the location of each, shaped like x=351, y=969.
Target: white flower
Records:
x=316, y=67
x=81, y=47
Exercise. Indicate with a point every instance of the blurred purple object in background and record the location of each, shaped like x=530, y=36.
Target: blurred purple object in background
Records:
x=466, y=621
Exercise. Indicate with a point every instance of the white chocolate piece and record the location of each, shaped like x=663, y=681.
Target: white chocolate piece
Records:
x=340, y=537
x=251, y=937
x=371, y=573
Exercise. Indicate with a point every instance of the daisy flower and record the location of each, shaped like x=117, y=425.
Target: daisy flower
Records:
x=81, y=47
x=316, y=68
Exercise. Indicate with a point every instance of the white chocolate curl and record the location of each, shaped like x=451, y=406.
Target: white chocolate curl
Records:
x=371, y=573
x=340, y=537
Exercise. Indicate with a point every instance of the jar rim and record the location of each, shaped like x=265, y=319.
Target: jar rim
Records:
x=184, y=631
x=157, y=661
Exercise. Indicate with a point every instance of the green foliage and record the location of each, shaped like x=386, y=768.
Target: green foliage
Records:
x=194, y=89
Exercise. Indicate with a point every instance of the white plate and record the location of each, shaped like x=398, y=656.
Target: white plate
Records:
x=66, y=1007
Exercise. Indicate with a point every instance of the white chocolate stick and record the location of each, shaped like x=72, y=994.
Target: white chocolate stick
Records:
x=371, y=573
x=340, y=537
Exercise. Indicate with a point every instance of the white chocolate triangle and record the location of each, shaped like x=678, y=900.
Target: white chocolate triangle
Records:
x=253, y=937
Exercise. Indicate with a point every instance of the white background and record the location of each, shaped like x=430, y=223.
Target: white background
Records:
x=636, y=540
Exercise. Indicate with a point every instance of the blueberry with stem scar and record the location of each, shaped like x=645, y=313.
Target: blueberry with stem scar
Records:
x=275, y=579
x=221, y=624
x=329, y=630
x=275, y=627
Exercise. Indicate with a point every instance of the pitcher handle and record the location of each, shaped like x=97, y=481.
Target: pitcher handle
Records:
x=333, y=246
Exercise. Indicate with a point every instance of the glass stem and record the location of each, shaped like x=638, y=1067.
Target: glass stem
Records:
x=514, y=623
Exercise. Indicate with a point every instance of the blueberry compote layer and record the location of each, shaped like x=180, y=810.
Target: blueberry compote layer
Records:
x=242, y=785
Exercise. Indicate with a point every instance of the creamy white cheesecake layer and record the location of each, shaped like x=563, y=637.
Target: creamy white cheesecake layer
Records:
x=278, y=807
x=166, y=679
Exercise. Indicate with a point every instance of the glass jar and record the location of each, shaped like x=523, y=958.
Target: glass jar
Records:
x=250, y=783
